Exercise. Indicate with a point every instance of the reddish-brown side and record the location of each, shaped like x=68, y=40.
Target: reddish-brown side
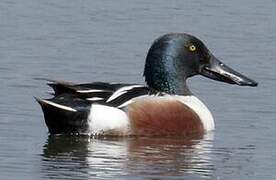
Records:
x=156, y=117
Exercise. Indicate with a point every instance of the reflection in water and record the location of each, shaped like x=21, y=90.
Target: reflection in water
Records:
x=66, y=157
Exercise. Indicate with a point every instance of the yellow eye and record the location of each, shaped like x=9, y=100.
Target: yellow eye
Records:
x=192, y=48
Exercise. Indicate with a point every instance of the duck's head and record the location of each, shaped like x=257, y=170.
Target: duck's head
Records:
x=175, y=57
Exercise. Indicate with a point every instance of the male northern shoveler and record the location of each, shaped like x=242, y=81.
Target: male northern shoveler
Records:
x=165, y=106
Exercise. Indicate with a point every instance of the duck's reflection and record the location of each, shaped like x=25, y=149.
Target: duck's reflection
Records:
x=78, y=157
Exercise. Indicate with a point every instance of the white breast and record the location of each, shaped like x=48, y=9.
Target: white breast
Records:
x=201, y=110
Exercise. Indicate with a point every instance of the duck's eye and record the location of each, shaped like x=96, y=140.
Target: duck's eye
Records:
x=192, y=48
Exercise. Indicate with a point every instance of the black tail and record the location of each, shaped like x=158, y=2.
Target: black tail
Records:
x=61, y=119
x=61, y=88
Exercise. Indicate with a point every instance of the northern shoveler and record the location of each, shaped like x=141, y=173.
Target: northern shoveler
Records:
x=165, y=106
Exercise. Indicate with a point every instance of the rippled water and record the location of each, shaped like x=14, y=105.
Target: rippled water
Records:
x=85, y=41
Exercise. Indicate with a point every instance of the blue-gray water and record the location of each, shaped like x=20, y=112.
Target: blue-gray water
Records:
x=106, y=40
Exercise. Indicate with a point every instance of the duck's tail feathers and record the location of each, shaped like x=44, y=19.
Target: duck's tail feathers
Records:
x=63, y=119
x=58, y=86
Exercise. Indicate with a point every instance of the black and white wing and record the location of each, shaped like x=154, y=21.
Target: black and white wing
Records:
x=112, y=94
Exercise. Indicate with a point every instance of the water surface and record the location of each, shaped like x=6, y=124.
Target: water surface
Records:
x=85, y=41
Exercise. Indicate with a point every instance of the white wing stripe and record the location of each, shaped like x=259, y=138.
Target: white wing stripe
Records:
x=125, y=103
x=121, y=91
x=133, y=100
x=59, y=106
x=94, y=99
x=90, y=91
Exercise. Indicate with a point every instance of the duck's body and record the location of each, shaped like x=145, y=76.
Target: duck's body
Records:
x=123, y=109
x=165, y=106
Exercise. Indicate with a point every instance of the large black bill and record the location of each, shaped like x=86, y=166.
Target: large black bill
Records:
x=218, y=71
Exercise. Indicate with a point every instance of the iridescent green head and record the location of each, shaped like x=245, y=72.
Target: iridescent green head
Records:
x=175, y=57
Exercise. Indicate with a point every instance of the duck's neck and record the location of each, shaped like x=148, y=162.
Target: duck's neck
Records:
x=170, y=86
x=174, y=88
x=165, y=77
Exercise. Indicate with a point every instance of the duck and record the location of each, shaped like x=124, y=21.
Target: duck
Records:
x=163, y=106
